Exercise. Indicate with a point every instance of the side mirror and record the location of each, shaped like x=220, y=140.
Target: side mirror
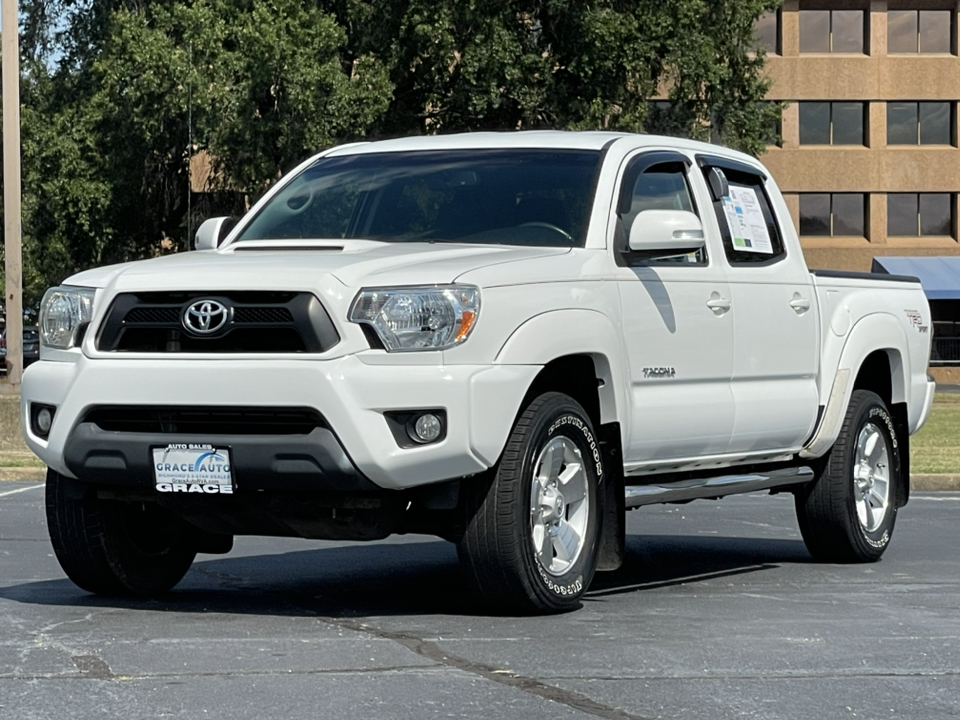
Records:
x=212, y=232
x=662, y=233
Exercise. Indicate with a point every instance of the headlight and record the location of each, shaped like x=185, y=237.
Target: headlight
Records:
x=63, y=312
x=419, y=318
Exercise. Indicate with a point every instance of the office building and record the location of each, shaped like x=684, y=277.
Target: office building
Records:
x=869, y=161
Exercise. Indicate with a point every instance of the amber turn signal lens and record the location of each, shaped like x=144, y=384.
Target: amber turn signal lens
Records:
x=469, y=318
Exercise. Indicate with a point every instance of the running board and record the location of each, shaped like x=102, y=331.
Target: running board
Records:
x=715, y=487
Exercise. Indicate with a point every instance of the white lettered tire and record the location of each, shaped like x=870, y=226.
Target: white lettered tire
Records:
x=848, y=514
x=532, y=524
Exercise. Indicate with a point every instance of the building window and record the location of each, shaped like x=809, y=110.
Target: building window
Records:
x=919, y=123
x=832, y=31
x=919, y=31
x=832, y=214
x=767, y=32
x=919, y=215
x=832, y=123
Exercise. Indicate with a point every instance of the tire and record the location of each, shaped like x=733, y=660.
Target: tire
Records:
x=848, y=514
x=532, y=524
x=110, y=547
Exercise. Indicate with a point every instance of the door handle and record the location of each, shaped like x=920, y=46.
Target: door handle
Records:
x=718, y=304
x=800, y=304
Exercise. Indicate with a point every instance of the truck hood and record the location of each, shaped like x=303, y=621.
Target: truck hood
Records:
x=269, y=265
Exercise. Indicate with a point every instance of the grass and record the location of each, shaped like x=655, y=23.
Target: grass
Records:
x=28, y=460
x=935, y=449
x=14, y=453
x=11, y=440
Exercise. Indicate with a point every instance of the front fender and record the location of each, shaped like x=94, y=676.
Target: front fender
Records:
x=561, y=333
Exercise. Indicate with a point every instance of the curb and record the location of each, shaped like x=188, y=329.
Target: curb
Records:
x=935, y=483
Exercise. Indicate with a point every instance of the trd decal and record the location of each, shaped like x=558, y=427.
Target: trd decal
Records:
x=916, y=319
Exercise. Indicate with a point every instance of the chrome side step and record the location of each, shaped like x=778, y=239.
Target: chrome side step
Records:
x=683, y=490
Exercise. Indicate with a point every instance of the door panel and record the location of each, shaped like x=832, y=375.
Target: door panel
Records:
x=678, y=323
x=680, y=358
x=775, y=365
x=776, y=350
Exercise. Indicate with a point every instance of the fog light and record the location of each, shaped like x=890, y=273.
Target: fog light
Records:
x=427, y=428
x=41, y=419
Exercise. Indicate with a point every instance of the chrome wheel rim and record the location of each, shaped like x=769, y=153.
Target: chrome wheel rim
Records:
x=871, y=477
x=559, y=506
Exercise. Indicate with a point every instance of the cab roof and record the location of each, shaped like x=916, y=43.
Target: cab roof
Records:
x=531, y=139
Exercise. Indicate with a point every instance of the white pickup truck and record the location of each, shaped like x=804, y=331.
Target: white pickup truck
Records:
x=505, y=340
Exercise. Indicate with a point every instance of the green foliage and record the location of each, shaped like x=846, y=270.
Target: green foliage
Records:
x=67, y=211
x=486, y=64
x=266, y=84
x=120, y=94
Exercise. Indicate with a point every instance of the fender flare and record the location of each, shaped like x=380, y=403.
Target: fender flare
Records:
x=877, y=331
x=559, y=333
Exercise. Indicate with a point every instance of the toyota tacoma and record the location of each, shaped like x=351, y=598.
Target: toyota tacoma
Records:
x=504, y=340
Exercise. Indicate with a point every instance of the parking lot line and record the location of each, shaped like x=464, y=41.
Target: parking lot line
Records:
x=20, y=490
x=952, y=497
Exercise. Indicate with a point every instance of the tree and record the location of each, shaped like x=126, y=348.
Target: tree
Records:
x=119, y=94
x=108, y=126
x=488, y=64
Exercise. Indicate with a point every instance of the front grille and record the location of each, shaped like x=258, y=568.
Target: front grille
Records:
x=263, y=340
x=205, y=421
x=145, y=315
x=258, y=322
x=278, y=315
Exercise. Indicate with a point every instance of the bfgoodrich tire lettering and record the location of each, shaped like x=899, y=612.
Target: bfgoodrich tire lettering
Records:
x=531, y=526
x=848, y=514
x=110, y=547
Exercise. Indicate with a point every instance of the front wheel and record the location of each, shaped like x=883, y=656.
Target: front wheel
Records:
x=848, y=514
x=111, y=547
x=532, y=525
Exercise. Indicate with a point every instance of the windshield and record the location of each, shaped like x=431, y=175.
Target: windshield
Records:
x=512, y=197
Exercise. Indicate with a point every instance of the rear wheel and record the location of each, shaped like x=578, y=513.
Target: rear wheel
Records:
x=530, y=542
x=848, y=514
x=111, y=547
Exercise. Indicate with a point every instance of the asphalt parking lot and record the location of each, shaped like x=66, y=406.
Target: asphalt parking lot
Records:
x=718, y=613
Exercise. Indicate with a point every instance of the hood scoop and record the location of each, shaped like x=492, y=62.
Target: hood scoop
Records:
x=287, y=248
x=306, y=245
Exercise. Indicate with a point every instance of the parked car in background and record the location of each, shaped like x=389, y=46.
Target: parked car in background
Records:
x=31, y=347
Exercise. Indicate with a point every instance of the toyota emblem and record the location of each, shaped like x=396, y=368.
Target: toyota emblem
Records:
x=205, y=317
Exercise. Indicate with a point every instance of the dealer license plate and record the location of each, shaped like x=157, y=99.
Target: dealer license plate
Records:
x=193, y=468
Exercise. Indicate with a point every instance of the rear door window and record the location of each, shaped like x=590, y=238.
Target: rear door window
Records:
x=748, y=226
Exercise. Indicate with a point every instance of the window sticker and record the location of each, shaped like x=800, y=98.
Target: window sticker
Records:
x=740, y=234
x=748, y=228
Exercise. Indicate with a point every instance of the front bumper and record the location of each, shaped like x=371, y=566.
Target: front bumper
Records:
x=352, y=394
x=261, y=462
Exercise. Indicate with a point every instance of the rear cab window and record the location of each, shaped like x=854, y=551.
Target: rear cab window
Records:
x=748, y=227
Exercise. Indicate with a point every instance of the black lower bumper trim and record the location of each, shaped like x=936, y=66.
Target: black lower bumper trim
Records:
x=313, y=462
